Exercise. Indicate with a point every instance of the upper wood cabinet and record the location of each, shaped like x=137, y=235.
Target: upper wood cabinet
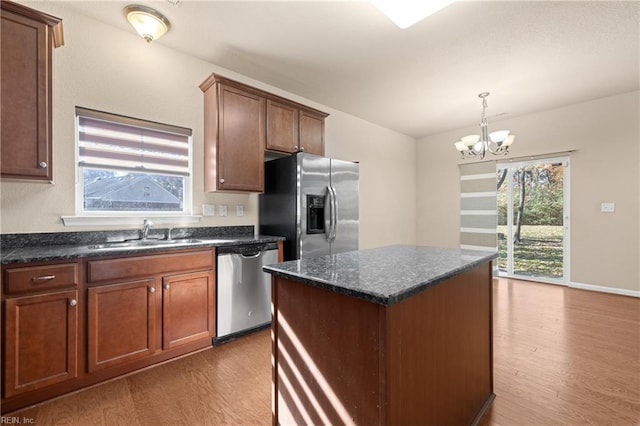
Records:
x=28, y=37
x=282, y=127
x=312, y=131
x=241, y=122
x=234, y=133
x=292, y=128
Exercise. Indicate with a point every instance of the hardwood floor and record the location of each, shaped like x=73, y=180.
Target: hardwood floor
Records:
x=227, y=385
x=561, y=357
x=564, y=356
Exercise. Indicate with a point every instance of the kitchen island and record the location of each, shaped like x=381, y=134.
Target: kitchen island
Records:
x=393, y=335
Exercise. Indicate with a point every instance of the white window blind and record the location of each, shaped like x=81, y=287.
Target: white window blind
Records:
x=117, y=142
x=478, y=206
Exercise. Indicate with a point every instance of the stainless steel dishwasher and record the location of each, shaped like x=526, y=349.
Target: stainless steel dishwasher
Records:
x=243, y=300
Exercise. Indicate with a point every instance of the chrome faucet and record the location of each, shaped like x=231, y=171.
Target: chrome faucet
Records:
x=145, y=228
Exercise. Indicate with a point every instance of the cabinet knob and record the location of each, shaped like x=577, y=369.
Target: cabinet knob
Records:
x=152, y=290
x=221, y=180
x=166, y=286
x=42, y=165
x=73, y=302
x=302, y=149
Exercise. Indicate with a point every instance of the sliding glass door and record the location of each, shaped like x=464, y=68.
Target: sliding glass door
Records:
x=533, y=226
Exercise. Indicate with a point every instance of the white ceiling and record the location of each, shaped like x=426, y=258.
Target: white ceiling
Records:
x=531, y=56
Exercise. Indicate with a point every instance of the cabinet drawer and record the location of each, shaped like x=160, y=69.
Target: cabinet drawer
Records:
x=145, y=266
x=37, y=278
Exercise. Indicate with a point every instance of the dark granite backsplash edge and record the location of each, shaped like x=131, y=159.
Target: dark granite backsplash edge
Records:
x=13, y=241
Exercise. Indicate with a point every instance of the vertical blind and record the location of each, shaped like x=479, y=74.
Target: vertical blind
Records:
x=117, y=142
x=478, y=206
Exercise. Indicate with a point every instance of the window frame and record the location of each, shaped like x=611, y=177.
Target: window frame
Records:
x=187, y=202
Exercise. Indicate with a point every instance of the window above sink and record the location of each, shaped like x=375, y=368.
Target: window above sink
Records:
x=131, y=167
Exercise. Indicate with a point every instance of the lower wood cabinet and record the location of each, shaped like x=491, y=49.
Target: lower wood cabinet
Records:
x=40, y=341
x=41, y=327
x=187, y=305
x=121, y=323
x=165, y=309
x=69, y=325
x=187, y=308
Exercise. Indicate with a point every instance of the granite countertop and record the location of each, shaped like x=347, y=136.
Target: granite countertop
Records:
x=383, y=275
x=25, y=248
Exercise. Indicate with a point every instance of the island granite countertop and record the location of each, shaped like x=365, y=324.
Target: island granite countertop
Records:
x=25, y=248
x=384, y=275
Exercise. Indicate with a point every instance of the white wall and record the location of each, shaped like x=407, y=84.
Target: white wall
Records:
x=387, y=178
x=113, y=70
x=605, y=135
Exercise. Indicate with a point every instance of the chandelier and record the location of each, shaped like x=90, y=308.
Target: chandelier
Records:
x=478, y=145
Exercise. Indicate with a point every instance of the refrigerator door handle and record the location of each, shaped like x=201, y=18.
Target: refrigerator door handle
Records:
x=328, y=215
x=334, y=213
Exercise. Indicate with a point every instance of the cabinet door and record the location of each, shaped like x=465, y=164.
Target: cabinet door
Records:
x=241, y=140
x=25, y=109
x=121, y=323
x=311, y=132
x=41, y=335
x=187, y=308
x=282, y=127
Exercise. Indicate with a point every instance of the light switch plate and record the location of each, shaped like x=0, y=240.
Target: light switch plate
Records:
x=608, y=207
x=222, y=210
x=239, y=210
x=208, y=209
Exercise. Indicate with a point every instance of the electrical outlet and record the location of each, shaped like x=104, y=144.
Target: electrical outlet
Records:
x=239, y=210
x=608, y=207
x=208, y=209
x=222, y=210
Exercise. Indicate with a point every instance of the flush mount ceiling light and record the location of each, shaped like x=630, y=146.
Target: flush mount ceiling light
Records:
x=477, y=145
x=405, y=13
x=148, y=22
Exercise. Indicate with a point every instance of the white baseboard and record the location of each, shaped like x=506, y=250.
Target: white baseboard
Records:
x=602, y=289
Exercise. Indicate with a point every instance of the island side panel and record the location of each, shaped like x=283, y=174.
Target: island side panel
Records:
x=439, y=352
x=327, y=357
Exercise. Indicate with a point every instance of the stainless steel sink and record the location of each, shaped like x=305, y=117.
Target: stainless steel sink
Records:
x=141, y=244
x=183, y=241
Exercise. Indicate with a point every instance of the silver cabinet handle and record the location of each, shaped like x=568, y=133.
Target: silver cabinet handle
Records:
x=152, y=289
x=44, y=278
x=166, y=286
x=221, y=180
x=42, y=165
x=302, y=149
x=73, y=302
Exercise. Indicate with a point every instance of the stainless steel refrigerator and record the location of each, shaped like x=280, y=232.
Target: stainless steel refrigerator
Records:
x=313, y=202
